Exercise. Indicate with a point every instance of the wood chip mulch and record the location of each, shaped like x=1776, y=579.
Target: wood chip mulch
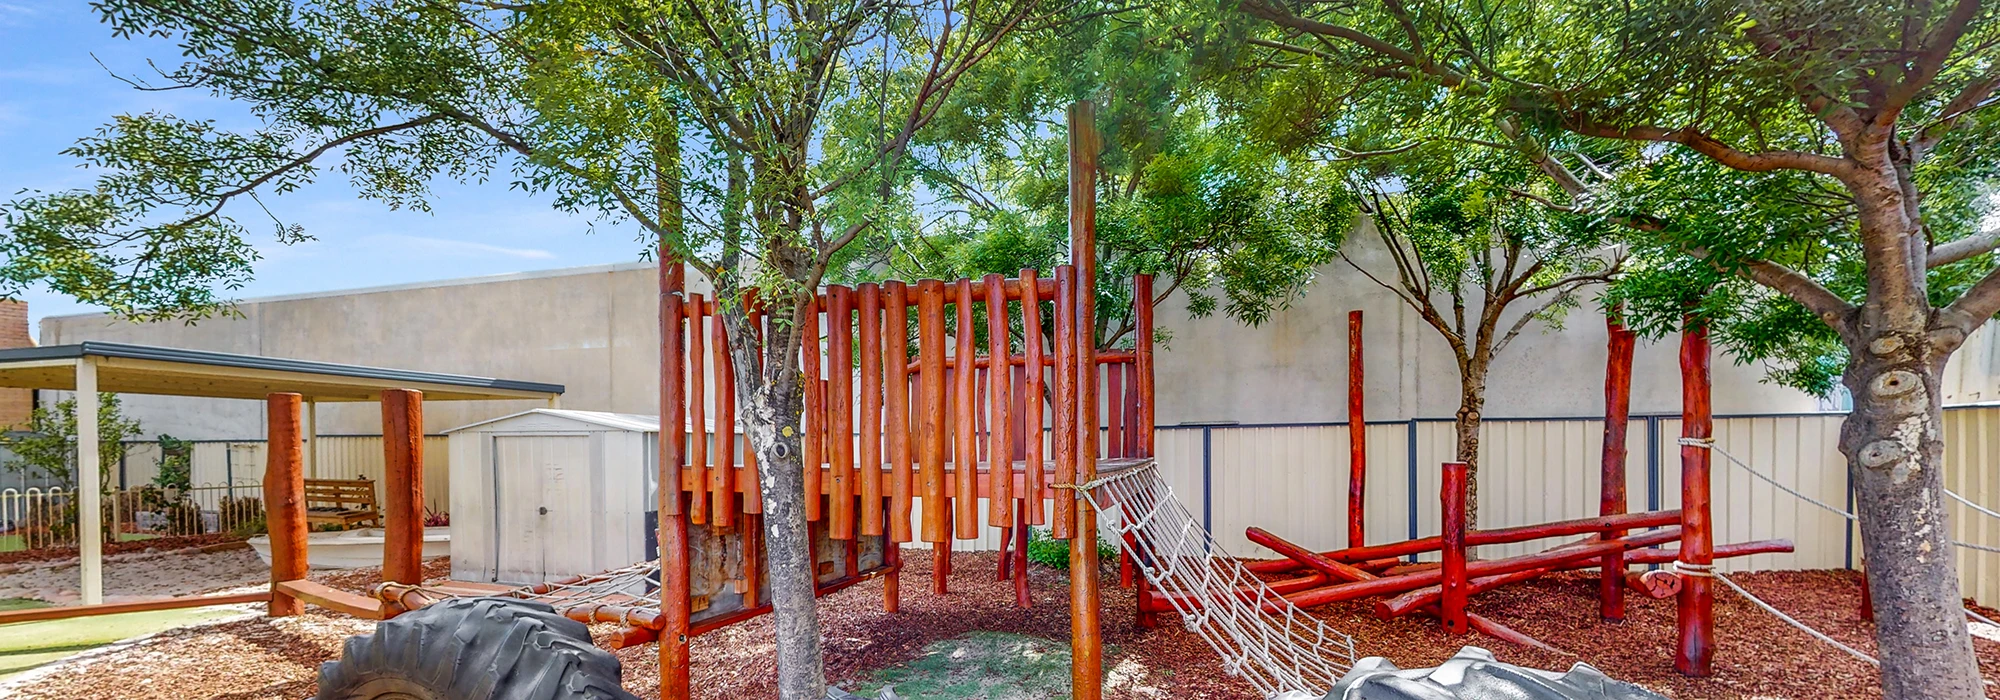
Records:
x=1757, y=656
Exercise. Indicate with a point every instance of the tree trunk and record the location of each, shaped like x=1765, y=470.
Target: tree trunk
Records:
x=1894, y=450
x=771, y=403
x=1471, y=411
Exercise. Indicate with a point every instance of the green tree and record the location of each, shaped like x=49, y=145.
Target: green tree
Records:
x=754, y=142
x=1873, y=117
x=47, y=449
x=1473, y=251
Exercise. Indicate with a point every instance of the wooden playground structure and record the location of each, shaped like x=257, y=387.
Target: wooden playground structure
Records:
x=1028, y=427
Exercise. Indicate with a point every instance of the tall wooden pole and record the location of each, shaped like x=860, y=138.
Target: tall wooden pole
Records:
x=1086, y=644
x=1357, y=436
x=403, y=480
x=1697, y=602
x=672, y=501
x=285, y=500
x=1455, y=584
x=1611, y=490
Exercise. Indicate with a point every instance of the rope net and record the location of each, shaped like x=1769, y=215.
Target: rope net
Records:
x=1217, y=598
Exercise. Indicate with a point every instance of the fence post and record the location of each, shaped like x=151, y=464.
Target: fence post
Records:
x=403, y=476
x=1454, y=581
x=284, y=501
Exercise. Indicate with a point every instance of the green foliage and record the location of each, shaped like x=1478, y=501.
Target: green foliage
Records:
x=1054, y=553
x=176, y=466
x=47, y=448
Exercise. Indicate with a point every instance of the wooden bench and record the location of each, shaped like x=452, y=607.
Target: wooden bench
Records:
x=345, y=502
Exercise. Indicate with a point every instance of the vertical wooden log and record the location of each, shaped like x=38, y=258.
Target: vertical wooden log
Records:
x=1142, y=360
x=1357, y=437
x=1086, y=640
x=896, y=359
x=723, y=500
x=1696, y=618
x=930, y=363
x=285, y=500
x=1867, y=600
x=814, y=449
x=1064, y=405
x=1000, y=393
x=1022, y=596
x=840, y=408
x=1031, y=345
x=403, y=486
x=940, y=561
x=697, y=410
x=1611, y=493
x=1456, y=587
x=675, y=579
x=1004, y=564
x=965, y=463
x=753, y=557
x=892, y=589
x=870, y=470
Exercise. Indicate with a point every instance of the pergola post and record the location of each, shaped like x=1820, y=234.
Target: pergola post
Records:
x=285, y=501
x=310, y=433
x=90, y=486
x=403, y=478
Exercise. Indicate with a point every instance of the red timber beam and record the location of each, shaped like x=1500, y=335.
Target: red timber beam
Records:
x=1455, y=587
x=1696, y=620
x=1357, y=436
x=1611, y=491
x=673, y=505
x=1417, y=579
x=1477, y=538
x=1086, y=642
x=285, y=500
x=403, y=478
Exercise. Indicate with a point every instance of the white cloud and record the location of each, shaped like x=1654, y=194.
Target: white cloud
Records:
x=455, y=247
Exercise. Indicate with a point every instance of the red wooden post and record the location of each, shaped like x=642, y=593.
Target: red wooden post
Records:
x=1021, y=594
x=1086, y=641
x=1065, y=442
x=403, y=483
x=1031, y=345
x=1697, y=602
x=896, y=359
x=751, y=486
x=697, y=343
x=999, y=435
x=675, y=579
x=814, y=449
x=723, y=499
x=930, y=362
x=285, y=500
x=1454, y=581
x=965, y=419
x=870, y=466
x=840, y=408
x=1142, y=361
x=1357, y=436
x=1867, y=601
x=892, y=593
x=1611, y=492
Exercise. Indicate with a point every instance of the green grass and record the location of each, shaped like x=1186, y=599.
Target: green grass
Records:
x=993, y=665
x=27, y=645
x=13, y=543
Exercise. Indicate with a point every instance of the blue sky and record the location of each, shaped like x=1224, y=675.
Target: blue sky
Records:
x=53, y=91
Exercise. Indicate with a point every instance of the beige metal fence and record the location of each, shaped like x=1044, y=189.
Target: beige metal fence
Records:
x=1292, y=480
x=334, y=457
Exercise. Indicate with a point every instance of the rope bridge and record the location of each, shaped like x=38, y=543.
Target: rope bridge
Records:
x=1217, y=598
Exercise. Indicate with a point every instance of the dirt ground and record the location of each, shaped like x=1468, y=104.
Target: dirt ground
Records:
x=1757, y=656
x=136, y=574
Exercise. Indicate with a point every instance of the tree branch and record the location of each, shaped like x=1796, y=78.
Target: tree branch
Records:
x=1950, y=252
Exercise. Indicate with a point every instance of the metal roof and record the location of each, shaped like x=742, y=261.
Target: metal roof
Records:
x=147, y=369
x=615, y=421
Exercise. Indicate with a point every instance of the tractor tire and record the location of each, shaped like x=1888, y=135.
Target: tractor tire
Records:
x=1473, y=674
x=474, y=649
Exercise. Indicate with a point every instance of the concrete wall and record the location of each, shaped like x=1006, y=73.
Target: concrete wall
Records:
x=16, y=405
x=594, y=330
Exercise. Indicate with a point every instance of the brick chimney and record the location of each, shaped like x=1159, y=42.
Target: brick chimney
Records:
x=15, y=404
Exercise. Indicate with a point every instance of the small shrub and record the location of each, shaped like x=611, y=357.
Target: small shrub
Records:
x=436, y=518
x=1054, y=553
x=236, y=511
x=250, y=528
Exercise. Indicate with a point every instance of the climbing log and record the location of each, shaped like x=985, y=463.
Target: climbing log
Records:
x=1410, y=581
x=1357, y=436
x=1611, y=491
x=1455, y=587
x=1696, y=612
x=1477, y=538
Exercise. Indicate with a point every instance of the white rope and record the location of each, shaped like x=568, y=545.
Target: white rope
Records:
x=1217, y=599
x=1970, y=504
x=1709, y=444
x=1708, y=571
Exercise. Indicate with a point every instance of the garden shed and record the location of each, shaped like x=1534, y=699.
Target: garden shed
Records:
x=549, y=493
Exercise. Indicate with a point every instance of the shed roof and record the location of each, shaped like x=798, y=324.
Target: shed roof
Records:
x=615, y=421
x=149, y=369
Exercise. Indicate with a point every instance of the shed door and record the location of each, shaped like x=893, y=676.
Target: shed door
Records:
x=542, y=507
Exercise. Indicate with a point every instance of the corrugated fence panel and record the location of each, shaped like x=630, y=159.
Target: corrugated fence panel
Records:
x=354, y=457
x=1798, y=451
x=1971, y=453
x=1291, y=481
